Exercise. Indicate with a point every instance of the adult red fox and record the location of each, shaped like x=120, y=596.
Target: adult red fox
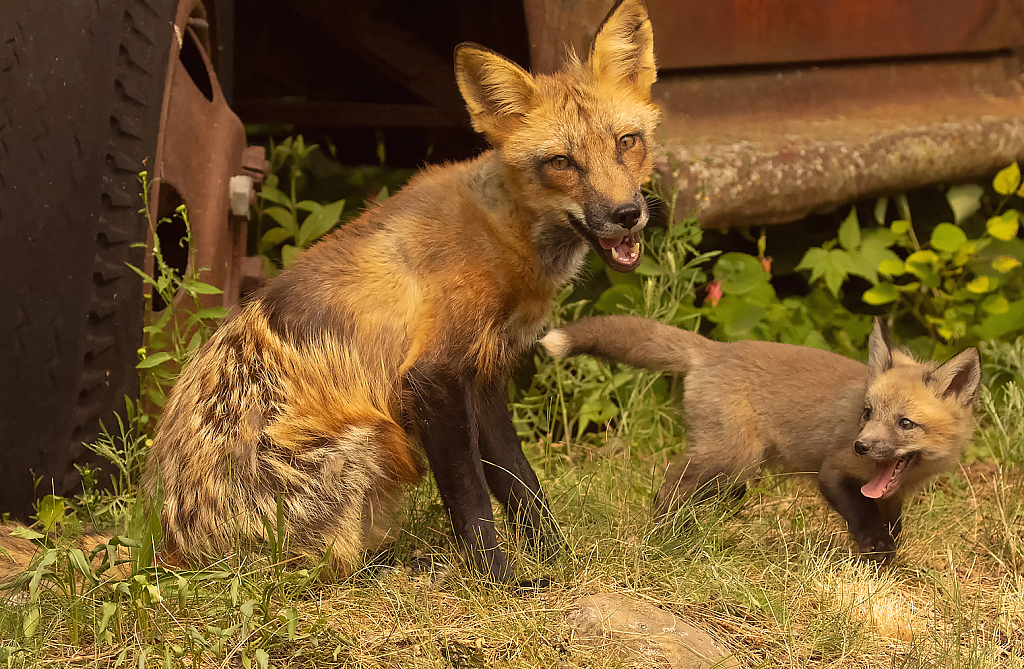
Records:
x=870, y=432
x=393, y=338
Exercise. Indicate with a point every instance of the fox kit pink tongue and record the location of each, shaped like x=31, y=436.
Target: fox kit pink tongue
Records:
x=876, y=487
x=611, y=242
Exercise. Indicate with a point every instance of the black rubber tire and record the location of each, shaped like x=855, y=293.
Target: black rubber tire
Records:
x=81, y=89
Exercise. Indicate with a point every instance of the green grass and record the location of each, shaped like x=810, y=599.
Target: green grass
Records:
x=777, y=581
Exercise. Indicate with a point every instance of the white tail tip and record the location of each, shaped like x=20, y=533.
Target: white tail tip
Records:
x=556, y=343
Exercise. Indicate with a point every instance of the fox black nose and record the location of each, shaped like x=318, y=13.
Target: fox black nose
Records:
x=861, y=446
x=626, y=215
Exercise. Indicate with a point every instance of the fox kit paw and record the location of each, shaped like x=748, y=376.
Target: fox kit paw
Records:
x=877, y=548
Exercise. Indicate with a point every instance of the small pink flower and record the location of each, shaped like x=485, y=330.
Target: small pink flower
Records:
x=714, y=293
x=766, y=262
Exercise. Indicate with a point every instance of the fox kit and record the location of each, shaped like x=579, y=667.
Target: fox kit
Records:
x=870, y=432
x=391, y=340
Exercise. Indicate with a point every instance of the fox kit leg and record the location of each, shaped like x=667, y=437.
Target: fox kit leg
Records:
x=444, y=415
x=868, y=526
x=509, y=475
x=892, y=514
x=707, y=470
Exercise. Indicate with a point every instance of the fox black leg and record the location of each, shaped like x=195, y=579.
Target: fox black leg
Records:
x=444, y=417
x=866, y=524
x=509, y=474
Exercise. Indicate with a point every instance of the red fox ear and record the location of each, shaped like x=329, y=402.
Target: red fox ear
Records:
x=960, y=377
x=623, y=50
x=879, y=348
x=497, y=91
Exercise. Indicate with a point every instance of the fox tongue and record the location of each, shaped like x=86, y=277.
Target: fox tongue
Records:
x=611, y=242
x=876, y=487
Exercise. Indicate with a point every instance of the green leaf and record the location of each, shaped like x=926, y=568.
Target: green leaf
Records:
x=996, y=326
x=30, y=623
x=964, y=200
x=995, y=304
x=948, y=237
x=892, y=267
x=200, y=288
x=881, y=293
x=272, y=194
x=274, y=236
x=284, y=218
x=1004, y=227
x=737, y=315
x=211, y=313
x=23, y=532
x=154, y=360
x=1004, y=264
x=262, y=659
x=619, y=299
x=1008, y=179
x=307, y=205
x=288, y=254
x=849, y=231
x=980, y=285
x=739, y=273
x=649, y=267
x=108, y=611
x=77, y=559
x=319, y=222
x=50, y=511
x=881, y=205
x=900, y=227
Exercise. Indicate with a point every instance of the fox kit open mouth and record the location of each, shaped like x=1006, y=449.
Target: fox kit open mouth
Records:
x=887, y=477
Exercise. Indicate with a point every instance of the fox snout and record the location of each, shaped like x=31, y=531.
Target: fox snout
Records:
x=626, y=216
x=862, y=446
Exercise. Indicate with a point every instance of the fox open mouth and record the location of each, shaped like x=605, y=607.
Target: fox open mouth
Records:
x=887, y=477
x=621, y=253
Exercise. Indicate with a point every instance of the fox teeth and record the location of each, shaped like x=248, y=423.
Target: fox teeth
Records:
x=632, y=252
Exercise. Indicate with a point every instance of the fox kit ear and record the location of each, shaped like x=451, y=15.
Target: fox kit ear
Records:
x=880, y=353
x=497, y=91
x=623, y=50
x=960, y=377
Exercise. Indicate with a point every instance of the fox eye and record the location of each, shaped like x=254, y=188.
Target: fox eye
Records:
x=560, y=162
x=907, y=424
x=627, y=142
x=866, y=416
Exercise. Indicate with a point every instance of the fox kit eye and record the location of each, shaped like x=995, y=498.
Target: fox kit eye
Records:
x=560, y=162
x=627, y=142
x=866, y=416
x=907, y=424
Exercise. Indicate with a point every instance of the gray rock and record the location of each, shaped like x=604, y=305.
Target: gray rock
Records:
x=646, y=635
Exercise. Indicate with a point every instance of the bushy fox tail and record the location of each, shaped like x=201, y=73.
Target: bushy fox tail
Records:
x=635, y=341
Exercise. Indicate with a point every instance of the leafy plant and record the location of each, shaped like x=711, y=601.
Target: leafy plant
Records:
x=173, y=336
x=962, y=283
x=307, y=194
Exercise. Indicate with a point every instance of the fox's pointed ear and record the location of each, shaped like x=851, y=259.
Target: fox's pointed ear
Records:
x=623, y=50
x=879, y=348
x=960, y=377
x=497, y=91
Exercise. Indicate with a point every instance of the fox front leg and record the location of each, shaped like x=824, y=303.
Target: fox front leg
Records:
x=445, y=419
x=866, y=523
x=509, y=474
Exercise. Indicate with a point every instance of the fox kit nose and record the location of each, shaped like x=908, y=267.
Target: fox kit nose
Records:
x=626, y=215
x=861, y=446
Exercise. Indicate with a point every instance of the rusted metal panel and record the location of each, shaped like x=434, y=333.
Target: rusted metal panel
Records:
x=715, y=33
x=747, y=32
x=199, y=148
